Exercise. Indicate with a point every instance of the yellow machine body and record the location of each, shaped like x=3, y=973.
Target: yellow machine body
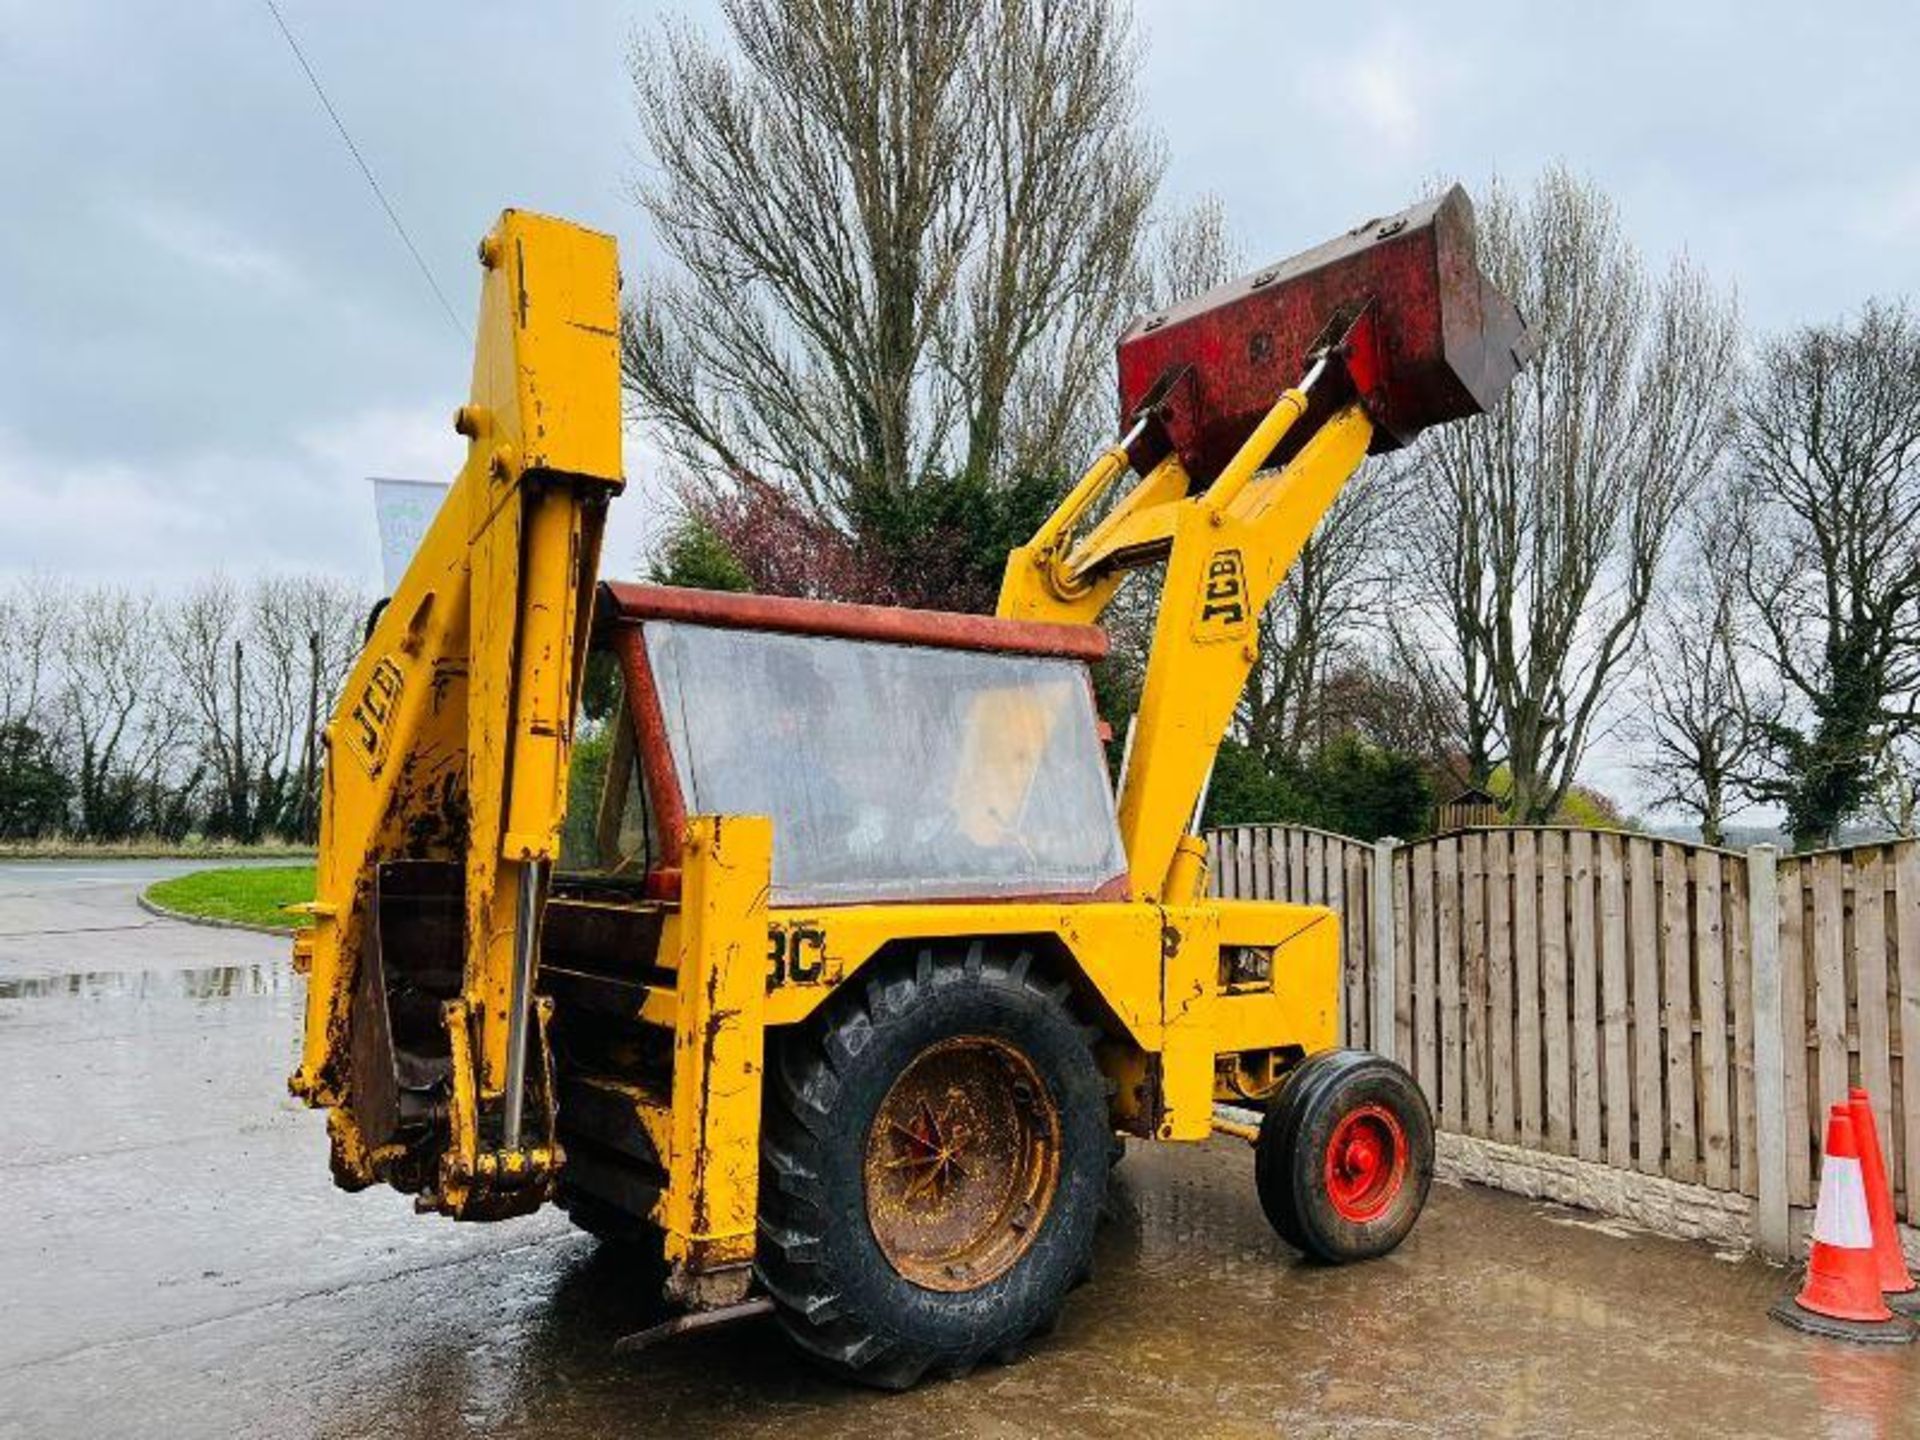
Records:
x=446, y=784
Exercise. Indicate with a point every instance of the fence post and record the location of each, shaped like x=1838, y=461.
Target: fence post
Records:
x=1769, y=1054
x=1380, y=962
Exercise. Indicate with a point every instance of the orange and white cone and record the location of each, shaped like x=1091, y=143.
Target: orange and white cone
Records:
x=1841, y=1296
x=1896, y=1281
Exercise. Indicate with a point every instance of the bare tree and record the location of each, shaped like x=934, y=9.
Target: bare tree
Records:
x=116, y=704
x=1829, y=459
x=1895, y=797
x=34, y=785
x=121, y=721
x=1705, y=702
x=1375, y=695
x=905, y=234
x=1191, y=252
x=31, y=612
x=1535, y=537
x=302, y=635
x=206, y=649
x=1309, y=628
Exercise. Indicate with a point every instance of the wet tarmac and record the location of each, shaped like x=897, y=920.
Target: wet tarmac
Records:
x=175, y=1262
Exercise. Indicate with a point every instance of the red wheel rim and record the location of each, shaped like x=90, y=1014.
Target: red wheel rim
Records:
x=1366, y=1163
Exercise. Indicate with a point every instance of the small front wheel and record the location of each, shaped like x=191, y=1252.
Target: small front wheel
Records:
x=1345, y=1156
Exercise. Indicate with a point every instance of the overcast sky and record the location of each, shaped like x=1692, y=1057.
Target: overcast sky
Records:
x=210, y=336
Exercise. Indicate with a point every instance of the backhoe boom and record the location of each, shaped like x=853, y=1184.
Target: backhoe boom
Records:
x=447, y=759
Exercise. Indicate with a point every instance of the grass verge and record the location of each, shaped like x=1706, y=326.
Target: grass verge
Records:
x=251, y=895
x=149, y=849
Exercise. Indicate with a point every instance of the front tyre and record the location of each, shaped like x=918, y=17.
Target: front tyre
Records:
x=1345, y=1156
x=934, y=1161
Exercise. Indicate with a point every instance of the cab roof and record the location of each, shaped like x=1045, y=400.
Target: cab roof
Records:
x=623, y=602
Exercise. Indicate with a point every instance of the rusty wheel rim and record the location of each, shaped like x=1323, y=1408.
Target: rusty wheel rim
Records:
x=962, y=1162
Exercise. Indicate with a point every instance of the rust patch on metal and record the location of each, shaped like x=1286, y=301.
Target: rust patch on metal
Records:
x=1447, y=342
x=962, y=1162
x=854, y=622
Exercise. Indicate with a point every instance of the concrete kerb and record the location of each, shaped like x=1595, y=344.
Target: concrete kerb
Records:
x=153, y=907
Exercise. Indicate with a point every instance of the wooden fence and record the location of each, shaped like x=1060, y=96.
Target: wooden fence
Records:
x=1674, y=1009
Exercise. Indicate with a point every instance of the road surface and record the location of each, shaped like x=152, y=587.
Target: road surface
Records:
x=175, y=1262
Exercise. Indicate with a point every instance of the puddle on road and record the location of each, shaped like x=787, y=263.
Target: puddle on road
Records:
x=213, y=982
x=1197, y=1322
x=1489, y=1322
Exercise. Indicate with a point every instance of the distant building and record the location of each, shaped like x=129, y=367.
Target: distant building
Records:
x=1472, y=806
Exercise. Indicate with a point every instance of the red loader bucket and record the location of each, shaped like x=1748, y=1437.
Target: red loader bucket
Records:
x=1449, y=342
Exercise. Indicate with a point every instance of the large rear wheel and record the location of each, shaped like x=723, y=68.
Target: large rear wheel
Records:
x=935, y=1156
x=1345, y=1156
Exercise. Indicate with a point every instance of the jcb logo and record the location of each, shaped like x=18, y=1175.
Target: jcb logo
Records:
x=796, y=954
x=1223, y=612
x=367, y=724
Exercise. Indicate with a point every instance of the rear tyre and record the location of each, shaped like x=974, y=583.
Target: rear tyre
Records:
x=934, y=1161
x=1345, y=1156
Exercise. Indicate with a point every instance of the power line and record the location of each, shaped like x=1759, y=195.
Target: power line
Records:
x=360, y=160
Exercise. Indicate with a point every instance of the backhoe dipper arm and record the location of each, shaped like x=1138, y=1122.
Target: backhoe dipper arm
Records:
x=452, y=740
x=1374, y=336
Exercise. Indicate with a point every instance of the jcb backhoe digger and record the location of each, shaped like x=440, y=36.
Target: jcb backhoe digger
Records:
x=812, y=939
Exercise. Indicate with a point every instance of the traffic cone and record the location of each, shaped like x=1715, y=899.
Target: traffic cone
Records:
x=1841, y=1296
x=1897, y=1287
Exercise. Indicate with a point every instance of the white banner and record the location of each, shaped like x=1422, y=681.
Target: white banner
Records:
x=405, y=508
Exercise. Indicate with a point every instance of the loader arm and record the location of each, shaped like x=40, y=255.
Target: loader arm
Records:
x=447, y=758
x=1250, y=408
x=1226, y=548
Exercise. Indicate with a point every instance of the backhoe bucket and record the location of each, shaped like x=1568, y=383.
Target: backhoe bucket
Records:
x=1449, y=343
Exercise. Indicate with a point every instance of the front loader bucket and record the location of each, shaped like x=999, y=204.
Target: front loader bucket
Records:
x=1449, y=342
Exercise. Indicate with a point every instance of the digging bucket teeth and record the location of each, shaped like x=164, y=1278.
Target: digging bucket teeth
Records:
x=1447, y=343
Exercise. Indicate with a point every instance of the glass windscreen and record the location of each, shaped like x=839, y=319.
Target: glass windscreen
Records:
x=609, y=831
x=891, y=772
